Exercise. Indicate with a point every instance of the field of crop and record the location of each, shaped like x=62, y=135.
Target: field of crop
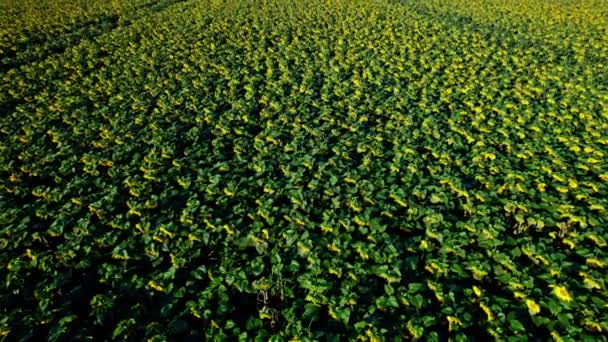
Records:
x=308, y=170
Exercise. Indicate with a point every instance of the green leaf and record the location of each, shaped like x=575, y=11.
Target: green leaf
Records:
x=123, y=327
x=414, y=288
x=516, y=325
x=418, y=301
x=311, y=312
x=427, y=321
x=344, y=314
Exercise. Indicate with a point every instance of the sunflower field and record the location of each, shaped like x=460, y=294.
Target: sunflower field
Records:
x=312, y=170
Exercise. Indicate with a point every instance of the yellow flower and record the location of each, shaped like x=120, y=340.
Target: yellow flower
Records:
x=541, y=187
x=591, y=284
x=519, y=295
x=533, y=308
x=195, y=312
x=561, y=293
x=371, y=336
x=487, y=310
x=424, y=245
x=569, y=243
x=155, y=286
x=453, y=321
x=29, y=254
x=593, y=326
x=556, y=336
x=594, y=262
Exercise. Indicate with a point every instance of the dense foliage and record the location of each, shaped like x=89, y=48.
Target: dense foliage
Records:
x=304, y=169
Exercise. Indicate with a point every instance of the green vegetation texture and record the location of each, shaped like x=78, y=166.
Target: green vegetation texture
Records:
x=304, y=170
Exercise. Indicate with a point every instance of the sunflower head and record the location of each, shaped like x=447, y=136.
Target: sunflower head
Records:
x=533, y=308
x=562, y=293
